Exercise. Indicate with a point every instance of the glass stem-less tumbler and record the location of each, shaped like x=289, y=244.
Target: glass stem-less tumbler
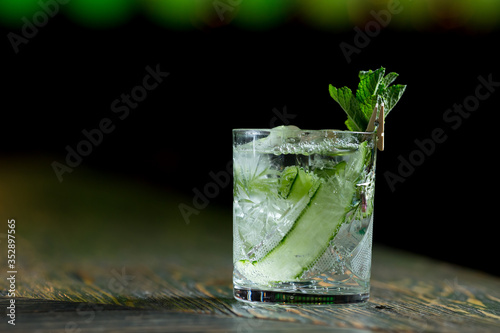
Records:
x=303, y=215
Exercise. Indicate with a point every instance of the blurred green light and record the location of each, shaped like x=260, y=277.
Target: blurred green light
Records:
x=12, y=11
x=484, y=14
x=100, y=13
x=476, y=15
x=260, y=14
x=413, y=15
x=177, y=14
x=325, y=14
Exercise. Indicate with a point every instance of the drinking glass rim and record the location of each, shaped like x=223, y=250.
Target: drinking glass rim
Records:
x=304, y=130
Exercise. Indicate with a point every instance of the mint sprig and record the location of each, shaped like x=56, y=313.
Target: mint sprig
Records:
x=374, y=86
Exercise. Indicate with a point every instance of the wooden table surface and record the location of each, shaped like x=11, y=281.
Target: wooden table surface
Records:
x=97, y=253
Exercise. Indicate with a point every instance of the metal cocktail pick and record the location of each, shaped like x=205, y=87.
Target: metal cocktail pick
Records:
x=381, y=125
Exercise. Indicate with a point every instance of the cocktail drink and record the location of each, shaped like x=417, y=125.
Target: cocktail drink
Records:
x=303, y=202
x=303, y=215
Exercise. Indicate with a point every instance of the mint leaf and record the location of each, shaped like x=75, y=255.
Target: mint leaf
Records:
x=392, y=96
x=374, y=86
x=369, y=84
x=343, y=96
x=389, y=78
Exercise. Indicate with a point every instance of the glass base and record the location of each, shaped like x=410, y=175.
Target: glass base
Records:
x=276, y=297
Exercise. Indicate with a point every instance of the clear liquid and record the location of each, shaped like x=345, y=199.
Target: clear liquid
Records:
x=262, y=218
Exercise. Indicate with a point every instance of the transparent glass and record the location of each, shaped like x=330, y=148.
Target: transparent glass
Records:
x=302, y=215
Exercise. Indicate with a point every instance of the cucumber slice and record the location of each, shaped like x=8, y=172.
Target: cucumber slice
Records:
x=287, y=179
x=296, y=189
x=312, y=232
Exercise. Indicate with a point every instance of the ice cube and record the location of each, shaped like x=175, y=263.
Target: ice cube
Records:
x=281, y=137
x=278, y=138
x=285, y=133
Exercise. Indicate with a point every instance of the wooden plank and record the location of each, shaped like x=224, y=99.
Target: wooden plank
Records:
x=64, y=317
x=453, y=299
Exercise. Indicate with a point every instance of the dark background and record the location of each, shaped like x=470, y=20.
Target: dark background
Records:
x=224, y=76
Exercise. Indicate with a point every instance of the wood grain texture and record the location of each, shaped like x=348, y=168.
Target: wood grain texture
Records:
x=98, y=254
x=449, y=299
